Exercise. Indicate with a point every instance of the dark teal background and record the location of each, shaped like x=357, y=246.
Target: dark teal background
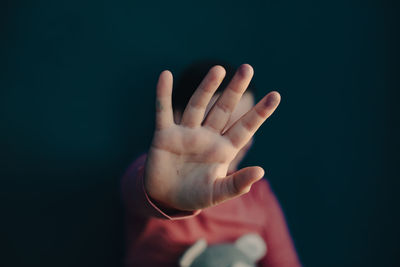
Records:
x=77, y=83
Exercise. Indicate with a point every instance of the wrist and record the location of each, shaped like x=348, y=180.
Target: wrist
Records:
x=164, y=207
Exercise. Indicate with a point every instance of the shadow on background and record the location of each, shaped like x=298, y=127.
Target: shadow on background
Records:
x=77, y=87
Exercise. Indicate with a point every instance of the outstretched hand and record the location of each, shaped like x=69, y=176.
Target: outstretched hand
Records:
x=187, y=163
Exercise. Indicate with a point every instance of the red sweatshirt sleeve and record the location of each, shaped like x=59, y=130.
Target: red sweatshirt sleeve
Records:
x=280, y=249
x=138, y=203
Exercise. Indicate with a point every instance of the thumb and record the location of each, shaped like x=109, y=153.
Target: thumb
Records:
x=236, y=184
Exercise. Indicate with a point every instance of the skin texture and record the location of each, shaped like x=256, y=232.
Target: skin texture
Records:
x=244, y=105
x=192, y=161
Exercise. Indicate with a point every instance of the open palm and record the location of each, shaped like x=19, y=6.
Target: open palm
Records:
x=187, y=163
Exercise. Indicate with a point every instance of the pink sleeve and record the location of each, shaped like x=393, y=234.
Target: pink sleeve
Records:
x=138, y=203
x=280, y=249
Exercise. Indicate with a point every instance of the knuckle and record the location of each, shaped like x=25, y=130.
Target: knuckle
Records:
x=195, y=104
x=248, y=125
x=233, y=186
x=224, y=107
x=259, y=112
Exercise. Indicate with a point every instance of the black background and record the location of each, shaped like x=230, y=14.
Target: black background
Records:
x=77, y=84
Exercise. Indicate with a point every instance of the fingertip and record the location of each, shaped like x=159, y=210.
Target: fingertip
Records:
x=166, y=73
x=273, y=99
x=164, y=85
x=260, y=171
x=257, y=173
x=219, y=69
x=276, y=94
x=217, y=72
x=246, y=70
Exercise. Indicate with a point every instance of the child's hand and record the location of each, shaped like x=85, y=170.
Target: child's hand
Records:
x=187, y=164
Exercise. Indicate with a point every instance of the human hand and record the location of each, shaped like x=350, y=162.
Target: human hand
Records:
x=187, y=164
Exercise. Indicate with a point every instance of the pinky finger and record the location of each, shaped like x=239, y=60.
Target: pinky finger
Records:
x=164, y=114
x=243, y=129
